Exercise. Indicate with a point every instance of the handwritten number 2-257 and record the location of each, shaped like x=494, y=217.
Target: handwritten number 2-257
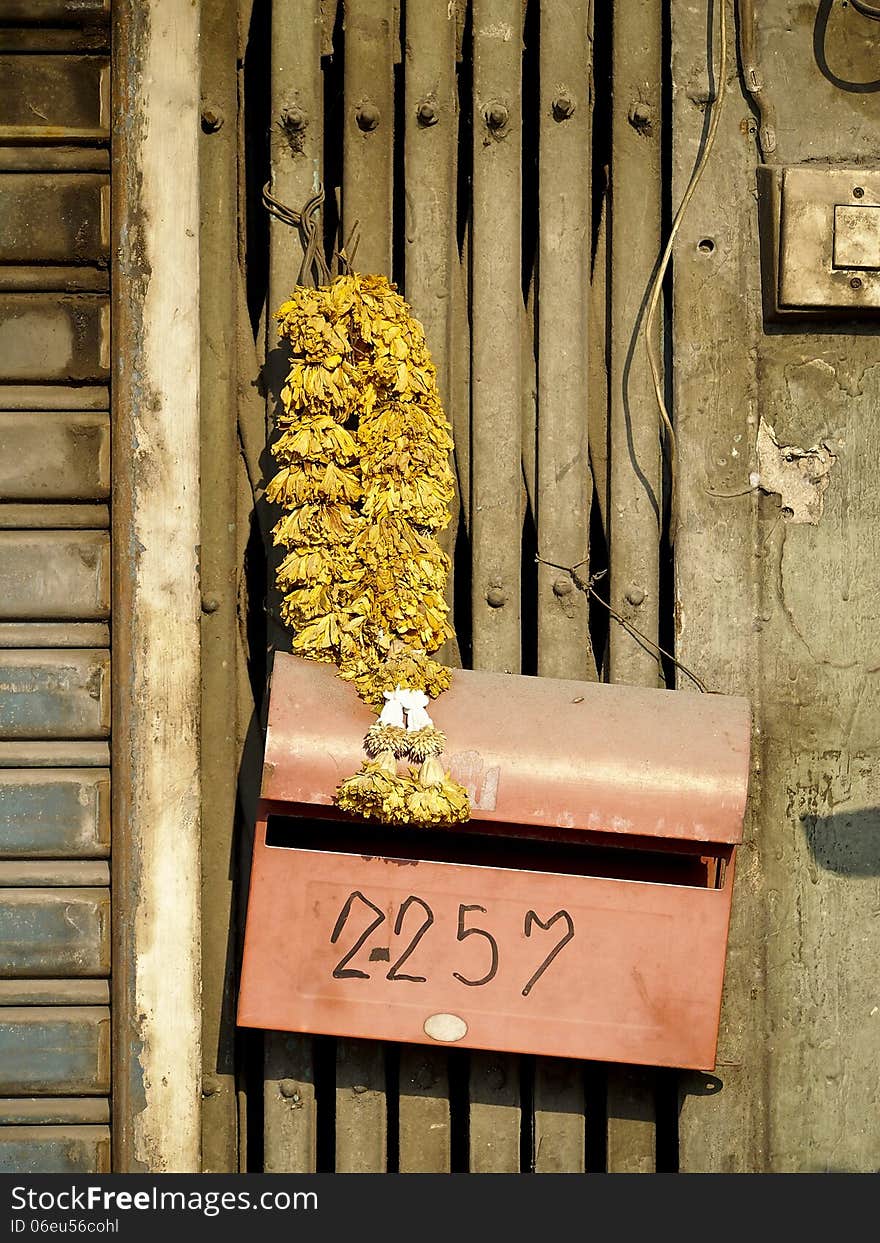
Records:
x=343, y=972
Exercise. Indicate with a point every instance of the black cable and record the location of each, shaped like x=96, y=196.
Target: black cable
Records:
x=820, y=30
x=866, y=10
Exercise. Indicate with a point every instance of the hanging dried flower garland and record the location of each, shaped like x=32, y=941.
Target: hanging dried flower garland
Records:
x=365, y=482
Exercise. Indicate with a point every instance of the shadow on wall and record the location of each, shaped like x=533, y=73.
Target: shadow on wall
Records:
x=845, y=842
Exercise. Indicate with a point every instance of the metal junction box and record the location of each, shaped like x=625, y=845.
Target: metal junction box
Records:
x=821, y=238
x=582, y=912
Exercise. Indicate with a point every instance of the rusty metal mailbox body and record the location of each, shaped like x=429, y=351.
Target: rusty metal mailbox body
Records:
x=582, y=911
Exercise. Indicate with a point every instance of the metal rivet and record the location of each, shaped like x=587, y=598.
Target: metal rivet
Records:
x=210, y=605
x=288, y=1088
x=563, y=107
x=497, y=116
x=641, y=115
x=858, y=192
x=427, y=113
x=293, y=118
x=368, y=117
x=359, y=1088
x=496, y=597
x=856, y=282
x=635, y=596
x=212, y=119
x=562, y=587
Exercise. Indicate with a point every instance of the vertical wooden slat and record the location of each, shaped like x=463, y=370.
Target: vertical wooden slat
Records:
x=290, y=1137
x=560, y=1125
x=564, y=481
x=430, y=151
x=219, y=750
x=636, y=198
x=296, y=144
x=494, y=1114
x=424, y=1112
x=563, y=468
x=430, y=262
x=632, y=1123
x=496, y=297
x=496, y=449
x=296, y=122
x=361, y=1108
x=371, y=44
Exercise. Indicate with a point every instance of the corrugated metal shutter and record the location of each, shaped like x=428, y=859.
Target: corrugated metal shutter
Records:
x=54, y=587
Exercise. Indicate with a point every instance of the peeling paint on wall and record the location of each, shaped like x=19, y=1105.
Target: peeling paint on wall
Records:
x=799, y=476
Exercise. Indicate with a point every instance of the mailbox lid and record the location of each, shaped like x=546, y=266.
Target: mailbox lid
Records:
x=534, y=751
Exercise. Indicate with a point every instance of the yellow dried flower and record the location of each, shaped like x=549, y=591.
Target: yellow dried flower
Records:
x=365, y=483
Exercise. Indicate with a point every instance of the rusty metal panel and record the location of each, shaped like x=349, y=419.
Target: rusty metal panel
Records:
x=54, y=159
x=62, y=693
x=47, y=12
x=537, y=752
x=58, y=873
x=54, y=992
x=49, y=932
x=23, y=516
x=57, y=337
x=54, y=1111
x=56, y=754
x=54, y=574
x=42, y=397
x=54, y=1051
x=54, y=39
x=58, y=218
x=54, y=1150
x=60, y=279
x=54, y=98
x=54, y=634
x=46, y=813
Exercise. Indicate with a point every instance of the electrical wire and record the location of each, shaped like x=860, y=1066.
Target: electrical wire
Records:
x=866, y=10
x=657, y=286
x=753, y=80
x=587, y=586
x=820, y=35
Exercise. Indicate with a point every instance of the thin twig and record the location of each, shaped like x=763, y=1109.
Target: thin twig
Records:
x=586, y=585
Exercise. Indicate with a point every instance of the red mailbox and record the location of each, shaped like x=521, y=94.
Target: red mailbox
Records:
x=581, y=912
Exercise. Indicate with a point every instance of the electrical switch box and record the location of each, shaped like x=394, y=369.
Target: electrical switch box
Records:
x=821, y=241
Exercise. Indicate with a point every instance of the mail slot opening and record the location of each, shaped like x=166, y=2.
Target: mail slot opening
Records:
x=701, y=867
